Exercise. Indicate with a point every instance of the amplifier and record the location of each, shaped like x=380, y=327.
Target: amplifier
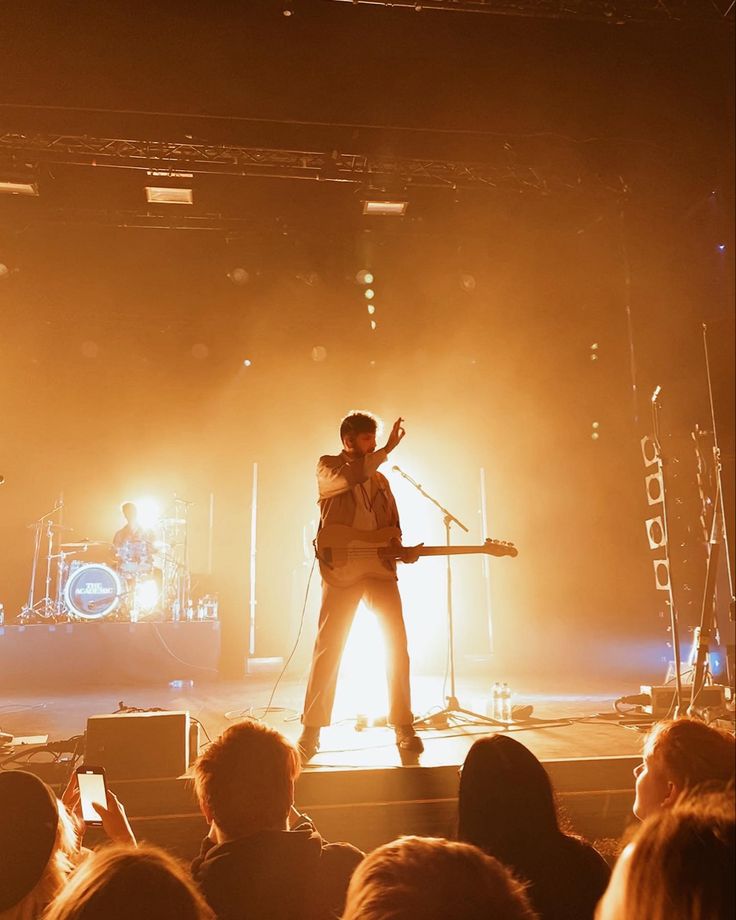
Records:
x=139, y=745
x=712, y=696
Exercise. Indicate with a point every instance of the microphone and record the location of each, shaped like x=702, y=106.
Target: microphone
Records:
x=655, y=394
x=396, y=469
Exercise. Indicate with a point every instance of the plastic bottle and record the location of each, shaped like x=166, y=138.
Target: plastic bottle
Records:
x=506, y=703
x=495, y=701
x=181, y=684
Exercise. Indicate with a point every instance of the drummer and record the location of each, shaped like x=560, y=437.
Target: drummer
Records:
x=134, y=543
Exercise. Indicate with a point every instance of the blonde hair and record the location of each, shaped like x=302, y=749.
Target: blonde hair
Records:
x=692, y=753
x=681, y=862
x=120, y=881
x=245, y=779
x=433, y=878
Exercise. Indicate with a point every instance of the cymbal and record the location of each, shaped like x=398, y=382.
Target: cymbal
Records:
x=85, y=544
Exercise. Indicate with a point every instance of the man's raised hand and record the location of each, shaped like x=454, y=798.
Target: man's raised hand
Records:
x=396, y=435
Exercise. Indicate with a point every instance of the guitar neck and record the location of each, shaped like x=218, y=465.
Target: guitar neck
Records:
x=451, y=550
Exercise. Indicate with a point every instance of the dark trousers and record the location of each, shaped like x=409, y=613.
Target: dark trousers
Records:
x=335, y=619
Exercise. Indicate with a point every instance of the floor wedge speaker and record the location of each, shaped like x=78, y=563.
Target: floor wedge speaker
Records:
x=139, y=745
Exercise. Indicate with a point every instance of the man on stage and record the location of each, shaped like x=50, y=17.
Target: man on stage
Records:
x=353, y=493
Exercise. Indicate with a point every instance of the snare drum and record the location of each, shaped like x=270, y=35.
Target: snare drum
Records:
x=93, y=591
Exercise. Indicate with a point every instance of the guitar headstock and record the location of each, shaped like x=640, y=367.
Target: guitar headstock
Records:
x=500, y=548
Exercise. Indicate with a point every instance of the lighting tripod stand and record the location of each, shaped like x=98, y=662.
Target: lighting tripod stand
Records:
x=453, y=709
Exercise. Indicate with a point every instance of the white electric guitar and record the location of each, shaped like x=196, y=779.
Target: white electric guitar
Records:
x=347, y=555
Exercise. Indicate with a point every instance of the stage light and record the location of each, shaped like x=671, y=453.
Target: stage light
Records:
x=287, y=8
x=4, y=270
x=19, y=179
x=467, y=282
x=384, y=207
x=156, y=194
x=373, y=325
x=319, y=353
x=371, y=308
x=149, y=511
x=369, y=293
x=364, y=276
x=721, y=247
x=10, y=187
x=247, y=363
x=239, y=276
x=146, y=594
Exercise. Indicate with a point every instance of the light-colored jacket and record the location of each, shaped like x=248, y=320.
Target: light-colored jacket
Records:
x=337, y=476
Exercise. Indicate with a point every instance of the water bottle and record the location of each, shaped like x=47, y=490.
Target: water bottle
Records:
x=181, y=684
x=505, y=703
x=495, y=701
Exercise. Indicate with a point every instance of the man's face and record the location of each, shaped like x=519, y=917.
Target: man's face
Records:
x=653, y=788
x=361, y=444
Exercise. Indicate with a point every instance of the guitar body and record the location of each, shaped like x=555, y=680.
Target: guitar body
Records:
x=347, y=556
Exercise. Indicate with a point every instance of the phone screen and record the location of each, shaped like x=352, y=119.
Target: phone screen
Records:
x=92, y=789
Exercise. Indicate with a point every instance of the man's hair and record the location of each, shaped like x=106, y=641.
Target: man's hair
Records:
x=128, y=508
x=245, y=778
x=118, y=882
x=692, y=753
x=681, y=862
x=433, y=878
x=358, y=423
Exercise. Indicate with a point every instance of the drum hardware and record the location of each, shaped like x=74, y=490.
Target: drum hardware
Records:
x=45, y=608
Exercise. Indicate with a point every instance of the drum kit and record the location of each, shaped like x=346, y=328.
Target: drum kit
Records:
x=96, y=580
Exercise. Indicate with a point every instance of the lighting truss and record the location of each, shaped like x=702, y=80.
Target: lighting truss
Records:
x=607, y=11
x=332, y=166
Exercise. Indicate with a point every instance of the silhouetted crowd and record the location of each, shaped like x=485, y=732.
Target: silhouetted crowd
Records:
x=511, y=858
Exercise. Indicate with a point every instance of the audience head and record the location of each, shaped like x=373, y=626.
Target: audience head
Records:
x=245, y=780
x=37, y=840
x=506, y=804
x=679, y=755
x=432, y=878
x=120, y=882
x=680, y=864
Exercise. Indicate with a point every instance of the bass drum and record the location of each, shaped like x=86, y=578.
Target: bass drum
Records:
x=93, y=591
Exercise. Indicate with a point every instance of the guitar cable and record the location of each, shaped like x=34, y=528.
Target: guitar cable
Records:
x=296, y=641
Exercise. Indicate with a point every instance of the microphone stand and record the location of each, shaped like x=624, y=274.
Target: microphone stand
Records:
x=718, y=536
x=453, y=709
x=674, y=619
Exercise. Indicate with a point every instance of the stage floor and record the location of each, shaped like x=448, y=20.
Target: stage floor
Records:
x=355, y=788
x=563, y=725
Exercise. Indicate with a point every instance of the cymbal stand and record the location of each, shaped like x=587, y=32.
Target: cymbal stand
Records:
x=453, y=710
x=45, y=607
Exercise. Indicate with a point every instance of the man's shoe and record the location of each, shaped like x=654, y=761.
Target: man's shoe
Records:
x=308, y=744
x=408, y=741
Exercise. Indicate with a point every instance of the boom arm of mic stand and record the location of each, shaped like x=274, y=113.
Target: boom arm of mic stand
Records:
x=449, y=516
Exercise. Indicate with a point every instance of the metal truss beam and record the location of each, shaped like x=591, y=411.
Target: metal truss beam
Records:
x=606, y=11
x=395, y=173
